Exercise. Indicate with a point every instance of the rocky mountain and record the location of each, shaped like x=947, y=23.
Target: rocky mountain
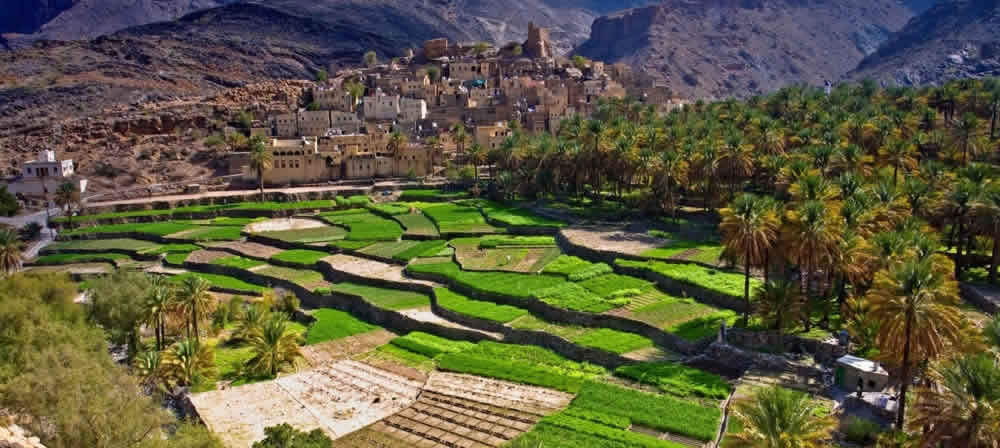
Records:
x=954, y=39
x=27, y=16
x=719, y=48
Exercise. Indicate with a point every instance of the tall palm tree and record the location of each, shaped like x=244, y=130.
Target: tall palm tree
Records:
x=914, y=302
x=986, y=212
x=261, y=160
x=810, y=235
x=477, y=156
x=275, y=346
x=11, y=257
x=195, y=301
x=187, y=362
x=460, y=135
x=780, y=302
x=67, y=196
x=749, y=228
x=964, y=410
x=158, y=303
x=776, y=417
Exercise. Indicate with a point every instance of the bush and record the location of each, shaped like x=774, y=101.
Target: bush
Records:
x=861, y=431
x=9, y=206
x=285, y=436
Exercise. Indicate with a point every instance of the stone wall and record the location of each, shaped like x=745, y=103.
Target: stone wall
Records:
x=978, y=296
x=823, y=352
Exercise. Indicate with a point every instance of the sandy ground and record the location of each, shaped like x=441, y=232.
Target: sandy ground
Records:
x=613, y=239
x=77, y=269
x=281, y=224
x=369, y=268
x=249, y=249
x=338, y=398
x=426, y=315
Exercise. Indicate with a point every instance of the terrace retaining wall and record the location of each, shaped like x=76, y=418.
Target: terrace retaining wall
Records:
x=131, y=253
x=973, y=294
x=823, y=352
x=349, y=303
x=553, y=314
x=684, y=289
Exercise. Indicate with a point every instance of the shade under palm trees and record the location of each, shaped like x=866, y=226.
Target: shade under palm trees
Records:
x=195, y=302
x=11, y=257
x=914, y=301
x=776, y=417
x=963, y=409
x=779, y=303
x=275, y=346
x=749, y=228
x=261, y=160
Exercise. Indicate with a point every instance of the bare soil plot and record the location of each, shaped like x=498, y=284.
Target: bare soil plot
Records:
x=338, y=398
x=364, y=267
x=613, y=239
x=206, y=256
x=465, y=411
x=73, y=269
x=426, y=315
x=282, y=224
x=330, y=351
x=510, y=259
x=249, y=249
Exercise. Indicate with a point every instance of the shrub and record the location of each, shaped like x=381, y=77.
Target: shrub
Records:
x=677, y=379
x=861, y=431
x=9, y=206
x=476, y=308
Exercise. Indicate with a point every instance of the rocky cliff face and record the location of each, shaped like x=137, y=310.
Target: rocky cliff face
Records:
x=954, y=39
x=27, y=16
x=719, y=48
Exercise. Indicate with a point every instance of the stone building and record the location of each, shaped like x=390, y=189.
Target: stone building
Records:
x=312, y=123
x=436, y=48
x=469, y=70
x=492, y=136
x=411, y=110
x=334, y=99
x=538, y=45
x=46, y=174
x=381, y=107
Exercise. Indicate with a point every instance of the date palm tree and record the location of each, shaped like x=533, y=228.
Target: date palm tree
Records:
x=749, y=228
x=187, y=362
x=964, y=408
x=986, y=215
x=261, y=160
x=779, y=303
x=810, y=236
x=776, y=417
x=158, y=303
x=461, y=137
x=11, y=257
x=275, y=346
x=151, y=370
x=67, y=196
x=195, y=302
x=915, y=303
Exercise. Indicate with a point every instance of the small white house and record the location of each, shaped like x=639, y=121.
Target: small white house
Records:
x=853, y=371
x=46, y=173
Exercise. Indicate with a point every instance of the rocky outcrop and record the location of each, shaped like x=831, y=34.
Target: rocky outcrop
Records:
x=953, y=39
x=720, y=48
x=14, y=436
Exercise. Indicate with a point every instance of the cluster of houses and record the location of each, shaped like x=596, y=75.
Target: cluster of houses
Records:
x=344, y=130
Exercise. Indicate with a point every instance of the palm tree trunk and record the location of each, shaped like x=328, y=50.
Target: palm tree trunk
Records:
x=260, y=183
x=746, y=288
x=767, y=265
x=993, y=121
x=194, y=324
x=996, y=259
x=905, y=386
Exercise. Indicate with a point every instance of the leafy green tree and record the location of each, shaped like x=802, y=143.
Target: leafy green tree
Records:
x=159, y=300
x=285, y=436
x=195, y=302
x=188, y=363
x=776, y=417
x=118, y=304
x=434, y=73
x=779, y=303
x=749, y=228
x=370, y=59
x=67, y=197
x=9, y=205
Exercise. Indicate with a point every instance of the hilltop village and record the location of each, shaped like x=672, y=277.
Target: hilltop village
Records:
x=401, y=118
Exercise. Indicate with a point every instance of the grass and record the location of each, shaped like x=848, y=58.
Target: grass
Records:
x=609, y=284
x=514, y=216
x=676, y=379
x=350, y=245
x=476, y=308
x=304, y=257
x=614, y=341
x=704, y=327
x=505, y=283
x=390, y=299
x=422, y=249
x=452, y=218
x=126, y=244
x=430, y=194
x=589, y=272
x=306, y=236
x=238, y=262
x=494, y=241
x=429, y=345
x=522, y=364
x=169, y=249
x=363, y=225
x=394, y=354
x=724, y=282
x=221, y=281
x=663, y=413
x=60, y=259
x=391, y=209
x=334, y=324
x=302, y=277
x=417, y=224
x=574, y=297
x=177, y=258
x=679, y=246
x=388, y=249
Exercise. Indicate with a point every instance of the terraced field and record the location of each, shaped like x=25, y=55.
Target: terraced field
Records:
x=456, y=219
x=417, y=224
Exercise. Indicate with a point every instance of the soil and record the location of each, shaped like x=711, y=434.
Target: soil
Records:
x=369, y=268
x=78, y=269
x=613, y=239
x=206, y=256
x=425, y=315
x=249, y=249
x=330, y=351
x=282, y=224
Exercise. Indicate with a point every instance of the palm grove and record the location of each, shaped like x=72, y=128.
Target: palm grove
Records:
x=860, y=209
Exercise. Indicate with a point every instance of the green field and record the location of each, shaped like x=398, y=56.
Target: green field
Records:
x=430, y=345
x=663, y=413
x=363, y=225
x=494, y=241
x=126, y=244
x=430, y=194
x=169, y=248
x=477, y=308
x=417, y=224
x=606, y=339
x=725, y=282
x=334, y=324
x=563, y=430
x=391, y=208
x=707, y=252
x=60, y=259
x=422, y=249
x=306, y=236
x=506, y=283
x=572, y=296
x=522, y=364
x=221, y=281
x=389, y=249
x=676, y=379
x=390, y=299
x=568, y=265
x=350, y=245
x=238, y=262
x=302, y=277
x=685, y=317
x=304, y=257
x=609, y=284
x=456, y=219
x=514, y=216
